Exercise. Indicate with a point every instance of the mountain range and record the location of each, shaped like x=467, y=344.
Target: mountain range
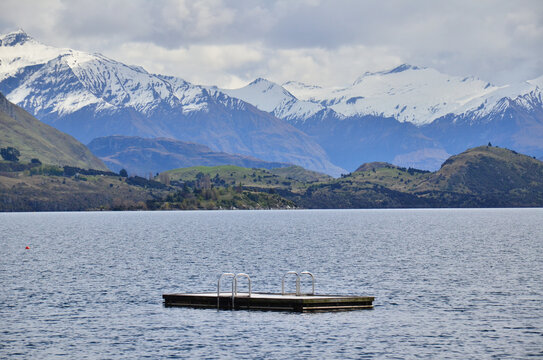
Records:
x=410, y=116
x=89, y=96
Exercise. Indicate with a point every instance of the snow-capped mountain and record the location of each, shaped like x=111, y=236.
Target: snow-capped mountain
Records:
x=91, y=95
x=406, y=93
x=75, y=79
x=270, y=97
x=400, y=115
x=409, y=116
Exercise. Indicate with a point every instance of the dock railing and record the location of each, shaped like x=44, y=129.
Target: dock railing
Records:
x=297, y=283
x=312, y=280
x=234, y=287
x=236, y=283
x=235, y=277
x=219, y=288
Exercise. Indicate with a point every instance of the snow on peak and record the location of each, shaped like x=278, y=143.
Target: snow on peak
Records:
x=17, y=37
x=526, y=94
x=407, y=93
x=299, y=84
x=260, y=80
x=271, y=97
x=403, y=67
x=262, y=93
x=397, y=69
x=80, y=79
x=18, y=50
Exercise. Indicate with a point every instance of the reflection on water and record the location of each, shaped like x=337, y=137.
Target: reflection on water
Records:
x=448, y=283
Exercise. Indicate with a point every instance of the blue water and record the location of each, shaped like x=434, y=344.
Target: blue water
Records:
x=448, y=283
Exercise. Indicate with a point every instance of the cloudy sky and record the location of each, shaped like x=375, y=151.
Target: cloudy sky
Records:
x=325, y=42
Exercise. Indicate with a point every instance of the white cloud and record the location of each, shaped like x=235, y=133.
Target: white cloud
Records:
x=229, y=42
x=329, y=67
x=33, y=16
x=200, y=64
x=232, y=66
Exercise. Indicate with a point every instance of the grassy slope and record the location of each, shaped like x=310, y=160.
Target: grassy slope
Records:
x=487, y=176
x=19, y=192
x=35, y=139
x=482, y=176
x=484, y=170
x=221, y=198
x=298, y=173
x=377, y=189
x=479, y=177
x=389, y=176
x=234, y=175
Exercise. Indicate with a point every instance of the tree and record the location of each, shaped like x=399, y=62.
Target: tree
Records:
x=123, y=173
x=35, y=161
x=203, y=181
x=10, y=154
x=164, y=178
x=489, y=144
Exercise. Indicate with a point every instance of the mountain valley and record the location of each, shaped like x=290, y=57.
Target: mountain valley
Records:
x=142, y=156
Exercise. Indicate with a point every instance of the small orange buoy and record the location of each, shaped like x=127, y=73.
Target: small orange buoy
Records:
x=27, y=248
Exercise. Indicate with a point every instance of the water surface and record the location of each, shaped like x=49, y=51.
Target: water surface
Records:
x=448, y=283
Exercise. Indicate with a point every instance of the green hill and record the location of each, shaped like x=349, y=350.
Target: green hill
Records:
x=486, y=176
x=35, y=139
x=51, y=190
x=298, y=173
x=229, y=175
x=28, y=187
x=388, y=175
x=480, y=177
x=380, y=187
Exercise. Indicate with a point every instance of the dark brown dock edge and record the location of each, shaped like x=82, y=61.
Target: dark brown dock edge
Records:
x=269, y=301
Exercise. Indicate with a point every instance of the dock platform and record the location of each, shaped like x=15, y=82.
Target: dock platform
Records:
x=267, y=301
x=298, y=301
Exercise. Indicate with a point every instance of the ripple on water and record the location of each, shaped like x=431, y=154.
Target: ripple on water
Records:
x=448, y=283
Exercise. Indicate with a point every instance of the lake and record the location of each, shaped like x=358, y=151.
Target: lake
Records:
x=463, y=283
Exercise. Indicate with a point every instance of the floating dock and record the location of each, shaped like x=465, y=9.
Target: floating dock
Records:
x=263, y=301
x=296, y=302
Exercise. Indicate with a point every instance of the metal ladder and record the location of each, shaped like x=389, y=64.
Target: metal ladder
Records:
x=234, y=286
x=298, y=292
